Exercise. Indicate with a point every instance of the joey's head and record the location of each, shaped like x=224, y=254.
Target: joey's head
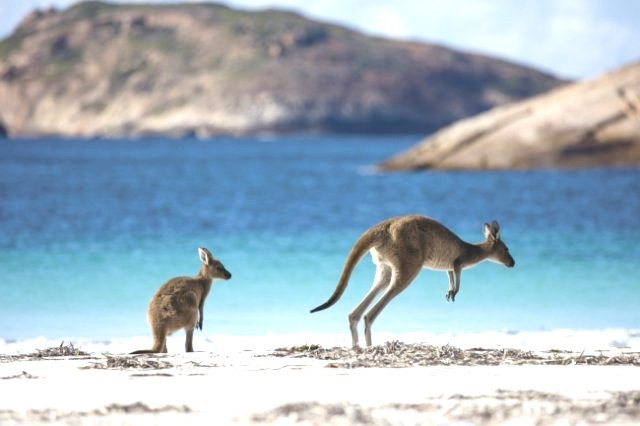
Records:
x=499, y=250
x=212, y=267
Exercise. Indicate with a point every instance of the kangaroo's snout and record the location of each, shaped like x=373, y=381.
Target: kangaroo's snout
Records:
x=511, y=263
x=227, y=275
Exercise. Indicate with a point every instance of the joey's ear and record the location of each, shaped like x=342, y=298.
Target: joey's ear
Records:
x=495, y=227
x=205, y=255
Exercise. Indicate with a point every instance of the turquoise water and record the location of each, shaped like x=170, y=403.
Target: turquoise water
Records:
x=89, y=229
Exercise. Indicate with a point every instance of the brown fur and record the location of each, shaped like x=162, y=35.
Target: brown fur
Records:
x=400, y=247
x=179, y=303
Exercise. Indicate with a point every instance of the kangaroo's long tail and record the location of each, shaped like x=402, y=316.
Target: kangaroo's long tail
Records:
x=143, y=351
x=360, y=248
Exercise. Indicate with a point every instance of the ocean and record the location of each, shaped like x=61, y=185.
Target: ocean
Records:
x=89, y=229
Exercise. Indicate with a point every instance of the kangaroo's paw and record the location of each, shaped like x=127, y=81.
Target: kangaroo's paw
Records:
x=450, y=296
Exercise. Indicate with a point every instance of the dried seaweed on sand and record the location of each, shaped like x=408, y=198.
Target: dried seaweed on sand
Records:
x=396, y=354
x=62, y=350
x=128, y=362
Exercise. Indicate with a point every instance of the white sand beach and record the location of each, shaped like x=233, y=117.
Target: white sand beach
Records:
x=246, y=381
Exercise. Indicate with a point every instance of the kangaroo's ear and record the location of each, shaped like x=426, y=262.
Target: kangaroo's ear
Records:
x=205, y=255
x=495, y=227
x=487, y=231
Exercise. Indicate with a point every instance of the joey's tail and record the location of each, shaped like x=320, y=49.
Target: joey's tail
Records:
x=360, y=248
x=143, y=351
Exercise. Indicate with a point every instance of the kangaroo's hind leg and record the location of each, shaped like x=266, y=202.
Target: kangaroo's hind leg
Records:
x=400, y=279
x=380, y=282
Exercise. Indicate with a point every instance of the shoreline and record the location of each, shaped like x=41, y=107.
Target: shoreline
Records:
x=247, y=383
x=577, y=340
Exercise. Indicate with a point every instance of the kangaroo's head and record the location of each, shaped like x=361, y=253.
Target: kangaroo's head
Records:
x=499, y=250
x=212, y=267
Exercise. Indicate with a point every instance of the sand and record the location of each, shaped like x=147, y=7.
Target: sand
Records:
x=394, y=383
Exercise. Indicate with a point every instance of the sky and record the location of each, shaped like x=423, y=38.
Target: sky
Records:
x=568, y=38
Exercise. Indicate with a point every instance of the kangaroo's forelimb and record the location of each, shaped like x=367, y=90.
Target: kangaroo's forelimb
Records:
x=454, y=284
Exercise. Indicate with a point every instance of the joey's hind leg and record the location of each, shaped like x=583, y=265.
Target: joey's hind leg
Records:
x=190, y=324
x=159, y=340
x=189, y=342
x=381, y=280
x=400, y=279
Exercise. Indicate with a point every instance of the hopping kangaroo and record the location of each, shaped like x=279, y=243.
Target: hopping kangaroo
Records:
x=399, y=248
x=179, y=303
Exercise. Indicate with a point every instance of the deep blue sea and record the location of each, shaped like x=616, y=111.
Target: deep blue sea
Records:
x=89, y=229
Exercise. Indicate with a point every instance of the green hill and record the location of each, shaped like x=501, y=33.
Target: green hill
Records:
x=97, y=69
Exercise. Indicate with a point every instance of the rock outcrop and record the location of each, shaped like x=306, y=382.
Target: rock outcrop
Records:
x=99, y=69
x=587, y=124
x=3, y=129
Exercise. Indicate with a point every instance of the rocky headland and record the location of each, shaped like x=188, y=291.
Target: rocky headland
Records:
x=592, y=123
